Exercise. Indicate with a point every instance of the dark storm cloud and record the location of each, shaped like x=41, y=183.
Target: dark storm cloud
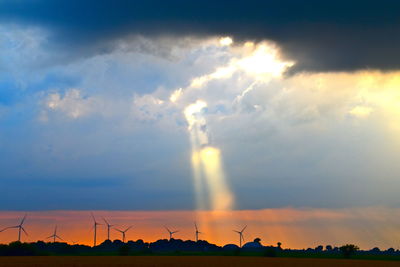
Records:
x=320, y=35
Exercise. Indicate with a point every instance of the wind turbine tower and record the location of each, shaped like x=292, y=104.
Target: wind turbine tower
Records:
x=123, y=232
x=95, y=229
x=54, y=235
x=197, y=232
x=171, y=232
x=241, y=235
x=108, y=228
x=19, y=226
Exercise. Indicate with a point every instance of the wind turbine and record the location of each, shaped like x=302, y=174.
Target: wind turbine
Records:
x=19, y=226
x=171, y=232
x=108, y=228
x=197, y=232
x=54, y=236
x=123, y=233
x=95, y=229
x=240, y=235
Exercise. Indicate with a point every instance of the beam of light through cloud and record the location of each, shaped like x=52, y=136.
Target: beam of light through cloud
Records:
x=206, y=162
x=212, y=191
x=262, y=62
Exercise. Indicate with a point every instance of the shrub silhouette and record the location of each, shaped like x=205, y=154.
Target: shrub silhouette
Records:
x=124, y=250
x=348, y=250
x=270, y=252
x=236, y=252
x=19, y=249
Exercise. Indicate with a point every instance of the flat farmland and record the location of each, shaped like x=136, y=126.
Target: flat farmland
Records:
x=183, y=261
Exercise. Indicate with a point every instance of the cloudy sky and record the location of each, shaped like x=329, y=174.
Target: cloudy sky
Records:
x=300, y=101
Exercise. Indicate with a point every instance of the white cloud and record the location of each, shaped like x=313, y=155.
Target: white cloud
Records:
x=361, y=111
x=148, y=108
x=277, y=133
x=175, y=95
x=73, y=104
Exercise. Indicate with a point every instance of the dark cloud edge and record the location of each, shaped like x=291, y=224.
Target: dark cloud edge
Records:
x=318, y=35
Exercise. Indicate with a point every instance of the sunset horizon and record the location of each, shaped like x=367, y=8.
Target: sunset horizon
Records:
x=271, y=126
x=289, y=226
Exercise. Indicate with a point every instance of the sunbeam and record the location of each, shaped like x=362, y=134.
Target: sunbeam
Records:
x=212, y=190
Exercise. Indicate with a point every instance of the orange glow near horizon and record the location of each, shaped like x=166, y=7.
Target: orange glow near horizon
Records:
x=295, y=228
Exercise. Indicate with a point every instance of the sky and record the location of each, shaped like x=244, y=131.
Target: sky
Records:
x=183, y=106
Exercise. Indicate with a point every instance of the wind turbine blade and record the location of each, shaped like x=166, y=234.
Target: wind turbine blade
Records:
x=106, y=222
x=175, y=231
x=118, y=230
x=59, y=238
x=24, y=230
x=93, y=217
x=236, y=231
x=169, y=231
x=49, y=237
x=23, y=219
x=195, y=225
x=9, y=228
x=128, y=228
x=244, y=228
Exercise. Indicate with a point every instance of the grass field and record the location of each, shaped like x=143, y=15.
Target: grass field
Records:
x=183, y=261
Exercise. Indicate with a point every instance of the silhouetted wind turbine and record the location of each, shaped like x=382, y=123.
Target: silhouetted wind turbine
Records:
x=197, y=232
x=108, y=228
x=240, y=235
x=123, y=233
x=95, y=229
x=171, y=232
x=19, y=226
x=54, y=236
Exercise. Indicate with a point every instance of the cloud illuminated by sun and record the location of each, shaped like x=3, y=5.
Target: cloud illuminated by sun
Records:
x=225, y=41
x=262, y=61
x=361, y=111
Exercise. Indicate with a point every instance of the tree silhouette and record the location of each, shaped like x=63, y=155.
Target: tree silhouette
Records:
x=348, y=250
x=319, y=248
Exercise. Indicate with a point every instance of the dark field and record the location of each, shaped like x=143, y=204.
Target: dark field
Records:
x=182, y=261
